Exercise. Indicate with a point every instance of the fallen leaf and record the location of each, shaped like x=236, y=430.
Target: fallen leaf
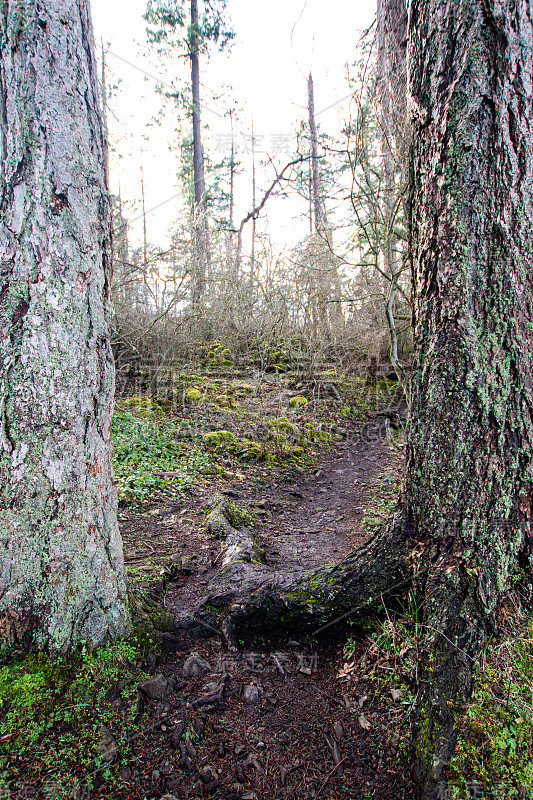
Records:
x=347, y=669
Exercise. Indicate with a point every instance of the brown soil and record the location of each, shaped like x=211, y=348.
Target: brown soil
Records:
x=284, y=731
x=275, y=747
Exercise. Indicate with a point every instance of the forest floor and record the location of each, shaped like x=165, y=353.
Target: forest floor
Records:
x=299, y=719
x=314, y=719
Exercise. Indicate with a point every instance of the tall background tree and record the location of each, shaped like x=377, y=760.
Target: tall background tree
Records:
x=62, y=574
x=191, y=33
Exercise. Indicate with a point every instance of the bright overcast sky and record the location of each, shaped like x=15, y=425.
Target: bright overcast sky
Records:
x=276, y=44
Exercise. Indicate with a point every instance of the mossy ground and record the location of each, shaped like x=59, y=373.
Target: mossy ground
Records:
x=202, y=427
x=52, y=712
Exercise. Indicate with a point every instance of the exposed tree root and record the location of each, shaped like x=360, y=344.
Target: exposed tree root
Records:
x=244, y=599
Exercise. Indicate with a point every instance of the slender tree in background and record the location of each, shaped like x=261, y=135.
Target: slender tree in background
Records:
x=463, y=526
x=325, y=266
x=391, y=85
x=199, y=29
x=62, y=576
x=201, y=238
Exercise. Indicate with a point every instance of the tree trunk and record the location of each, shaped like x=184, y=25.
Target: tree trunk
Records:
x=201, y=243
x=62, y=573
x=324, y=272
x=469, y=467
x=464, y=523
x=391, y=80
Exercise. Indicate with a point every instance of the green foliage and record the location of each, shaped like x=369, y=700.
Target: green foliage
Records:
x=170, y=24
x=53, y=711
x=145, y=447
x=495, y=747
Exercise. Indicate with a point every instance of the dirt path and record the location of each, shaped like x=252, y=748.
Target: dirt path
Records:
x=318, y=518
x=304, y=519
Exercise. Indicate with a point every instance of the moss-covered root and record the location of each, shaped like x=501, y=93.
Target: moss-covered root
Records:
x=242, y=554
x=373, y=575
x=148, y=614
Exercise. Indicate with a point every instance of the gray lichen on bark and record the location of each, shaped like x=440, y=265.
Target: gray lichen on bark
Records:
x=62, y=572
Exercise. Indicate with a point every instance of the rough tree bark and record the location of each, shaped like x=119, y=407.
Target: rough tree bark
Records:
x=62, y=574
x=469, y=467
x=463, y=526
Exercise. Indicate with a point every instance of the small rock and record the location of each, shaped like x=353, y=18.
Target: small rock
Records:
x=199, y=727
x=210, y=688
x=177, y=733
x=209, y=774
x=186, y=759
x=249, y=796
x=169, y=797
x=338, y=730
x=157, y=688
x=221, y=751
x=191, y=750
x=364, y=722
x=283, y=775
x=251, y=694
x=397, y=695
x=195, y=666
x=239, y=749
x=395, y=741
x=125, y=774
x=156, y=776
x=107, y=747
x=306, y=670
x=151, y=660
x=252, y=761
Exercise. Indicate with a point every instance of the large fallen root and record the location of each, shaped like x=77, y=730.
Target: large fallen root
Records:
x=245, y=597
